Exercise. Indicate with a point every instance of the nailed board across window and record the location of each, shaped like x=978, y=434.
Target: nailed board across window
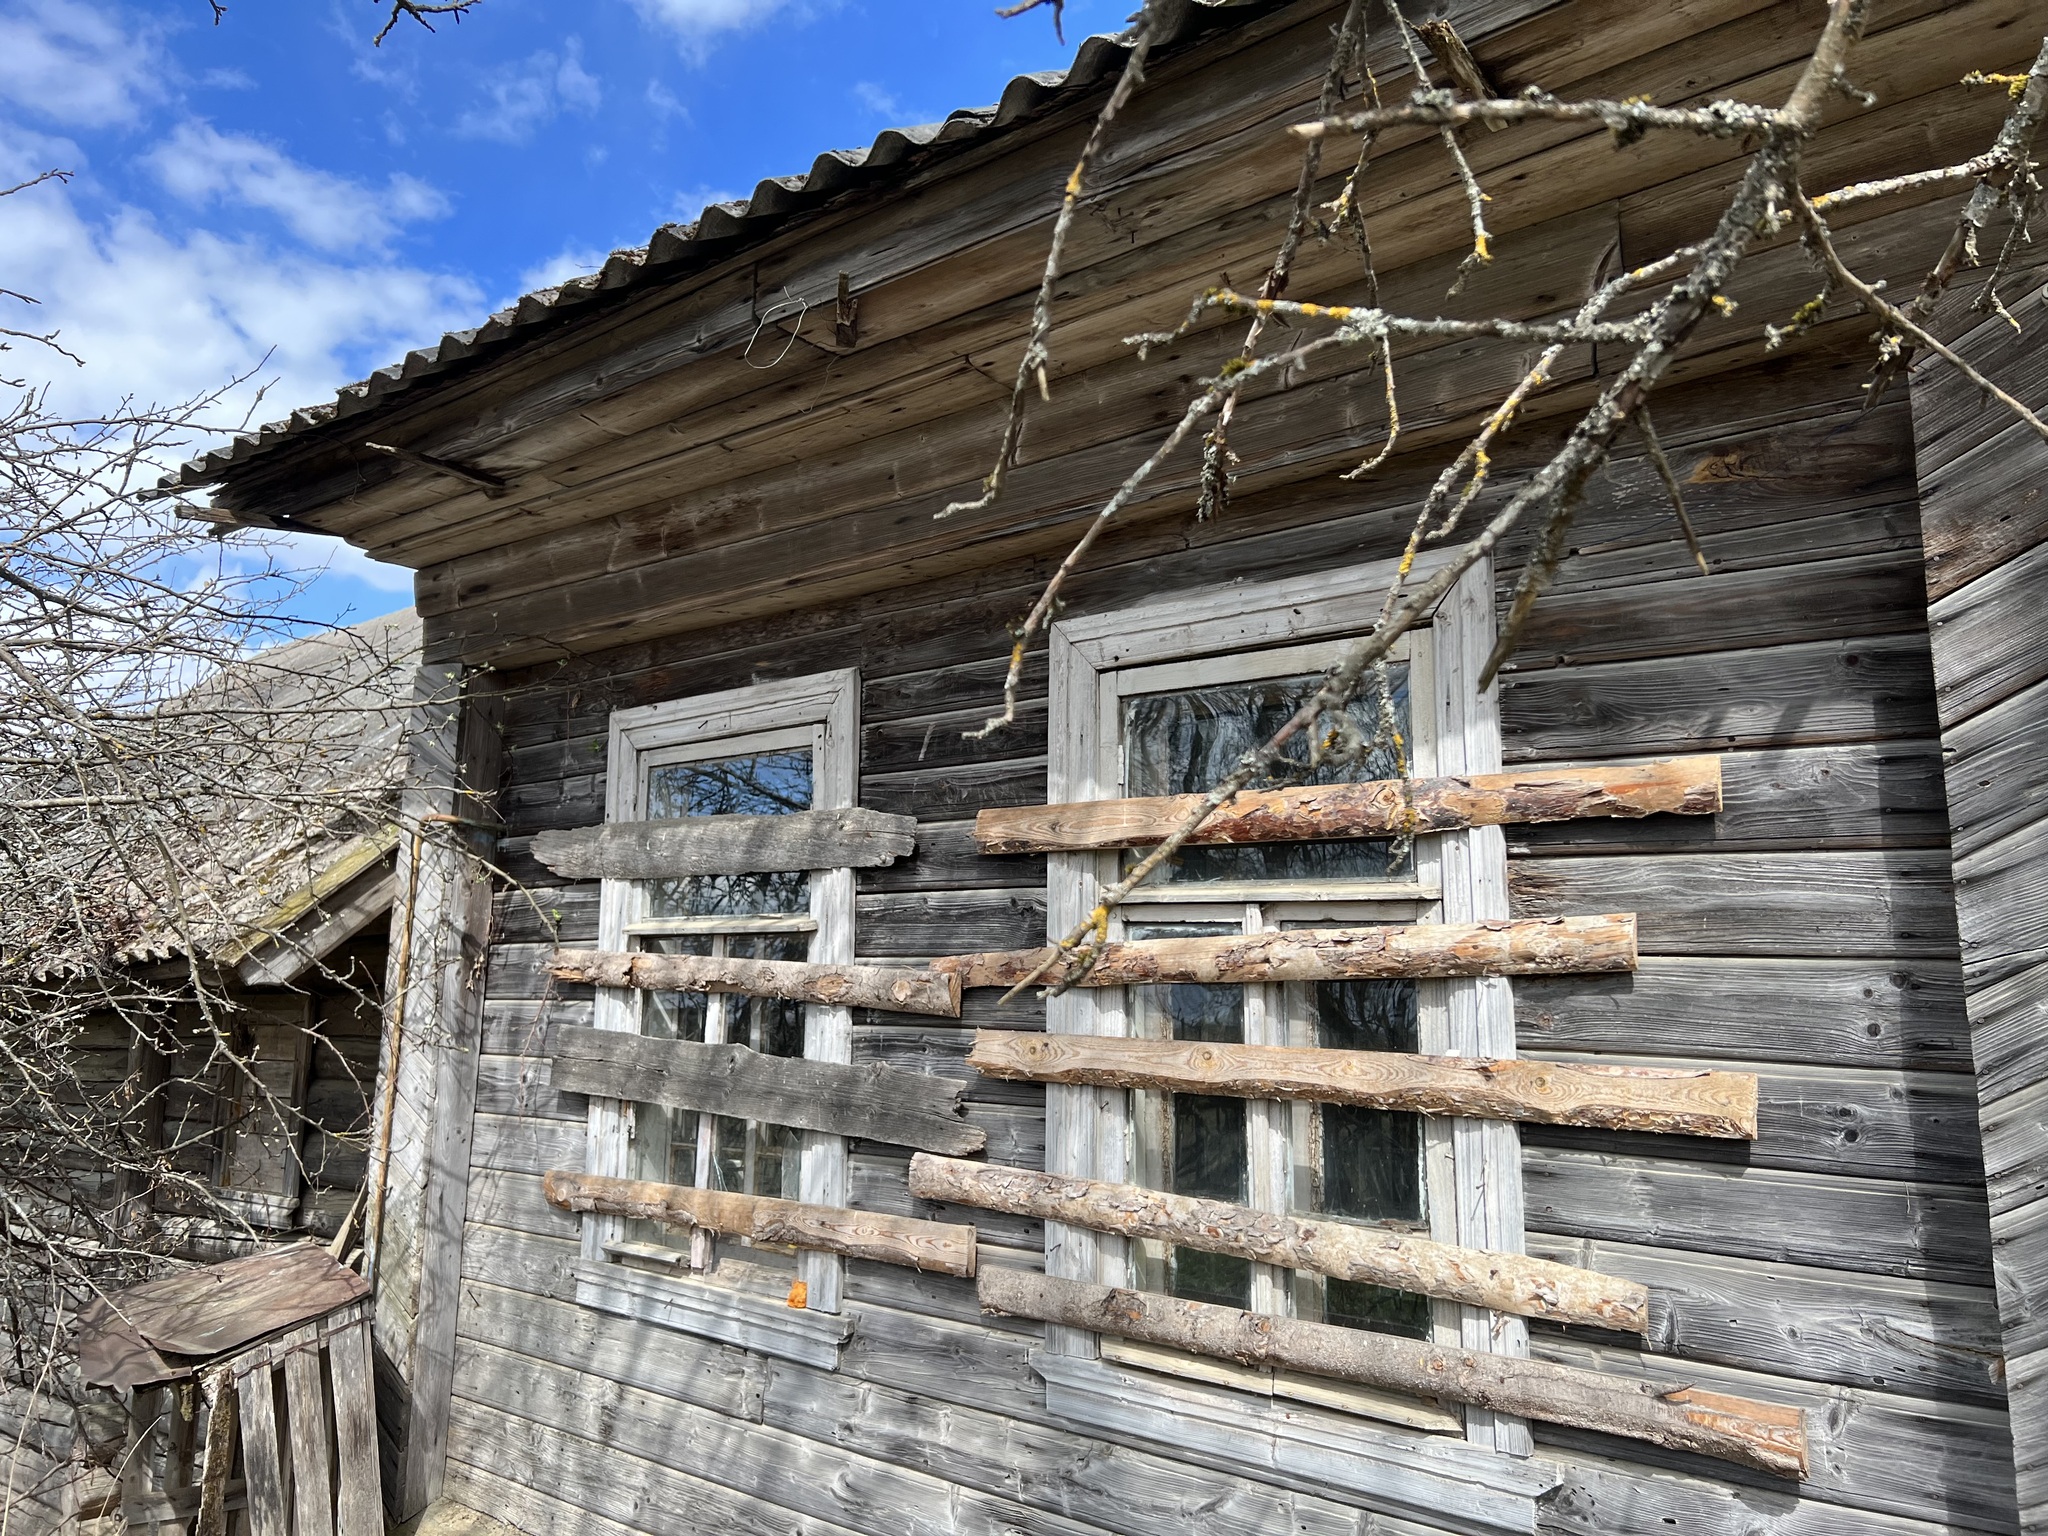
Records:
x=849, y=837
x=908, y=1109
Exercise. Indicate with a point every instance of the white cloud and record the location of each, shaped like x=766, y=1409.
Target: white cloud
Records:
x=877, y=100
x=689, y=206
x=574, y=261
x=525, y=97
x=201, y=164
x=161, y=316
x=76, y=63
x=696, y=24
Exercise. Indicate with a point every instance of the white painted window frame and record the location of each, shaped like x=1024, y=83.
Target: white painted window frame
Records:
x=1476, y=1164
x=822, y=709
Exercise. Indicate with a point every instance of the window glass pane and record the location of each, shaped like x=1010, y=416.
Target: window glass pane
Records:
x=774, y=1026
x=757, y=784
x=1182, y=743
x=1204, y=1148
x=1367, y=1163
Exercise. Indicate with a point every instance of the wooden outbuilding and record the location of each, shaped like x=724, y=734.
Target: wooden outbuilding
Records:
x=1641, y=1148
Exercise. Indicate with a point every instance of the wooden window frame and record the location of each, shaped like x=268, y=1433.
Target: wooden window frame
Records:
x=822, y=709
x=1475, y=1178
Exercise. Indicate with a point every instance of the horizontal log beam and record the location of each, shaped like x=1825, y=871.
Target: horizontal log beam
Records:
x=1544, y=946
x=1765, y=1436
x=1674, y=1101
x=905, y=1109
x=728, y=845
x=1505, y=1282
x=895, y=988
x=941, y=1247
x=1686, y=786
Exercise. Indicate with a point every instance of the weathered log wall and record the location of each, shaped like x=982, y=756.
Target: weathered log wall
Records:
x=1984, y=517
x=1840, y=1263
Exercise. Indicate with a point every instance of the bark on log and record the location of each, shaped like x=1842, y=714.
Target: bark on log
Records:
x=1765, y=1436
x=728, y=845
x=880, y=1103
x=1687, y=786
x=942, y=1247
x=1674, y=1101
x=1505, y=1282
x=1524, y=947
x=897, y=989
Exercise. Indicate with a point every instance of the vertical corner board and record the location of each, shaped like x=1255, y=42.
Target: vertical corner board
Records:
x=1686, y=786
x=852, y=837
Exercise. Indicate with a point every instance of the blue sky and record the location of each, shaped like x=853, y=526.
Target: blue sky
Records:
x=274, y=186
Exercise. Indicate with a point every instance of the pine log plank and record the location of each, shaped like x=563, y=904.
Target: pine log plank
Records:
x=929, y=1245
x=1686, y=786
x=852, y=837
x=1541, y=947
x=879, y=1103
x=1506, y=1282
x=898, y=989
x=1751, y=1434
x=1671, y=1100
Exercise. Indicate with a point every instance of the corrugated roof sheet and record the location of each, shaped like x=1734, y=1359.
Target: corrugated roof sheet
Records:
x=713, y=236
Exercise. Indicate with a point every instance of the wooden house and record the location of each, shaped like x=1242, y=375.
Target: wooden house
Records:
x=674, y=527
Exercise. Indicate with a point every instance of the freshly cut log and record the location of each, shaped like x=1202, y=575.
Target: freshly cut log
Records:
x=1541, y=946
x=1506, y=1282
x=728, y=845
x=1687, y=786
x=1677, y=1101
x=945, y=1248
x=896, y=988
x=1765, y=1436
x=905, y=1109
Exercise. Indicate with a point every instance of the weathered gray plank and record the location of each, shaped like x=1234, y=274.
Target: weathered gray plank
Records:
x=727, y=845
x=764, y=1462
x=519, y=1144
x=1988, y=641
x=1997, y=776
x=1808, y=694
x=2002, y=901
x=1818, y=904
x=1898, y=1014
x=870, y=1101
x=1921, y=1338
x=1867, y=595
x=1878, y=1226
x=262, y=1455
x=359, y=1506
x=923, y=923
x=306, y=1415
x=525, y=1261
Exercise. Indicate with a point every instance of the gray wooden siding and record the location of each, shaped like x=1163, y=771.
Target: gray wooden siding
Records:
x=1984, y=509
x=1842, y=1262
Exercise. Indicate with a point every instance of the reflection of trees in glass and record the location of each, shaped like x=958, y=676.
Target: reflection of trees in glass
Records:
x=1181, y=743
x=1367, y=1163
x=756, y=784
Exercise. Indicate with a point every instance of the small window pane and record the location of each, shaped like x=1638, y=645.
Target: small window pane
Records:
x=1182, y=743
x=1367, y=1163
x=774, y=1026
x=1205, y=1146
x=757, y=784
